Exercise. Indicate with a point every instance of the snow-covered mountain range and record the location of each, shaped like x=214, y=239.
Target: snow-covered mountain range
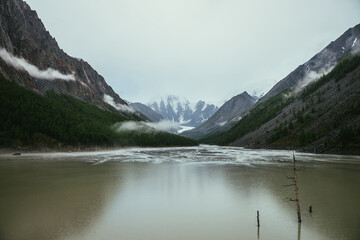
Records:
x=178, y=109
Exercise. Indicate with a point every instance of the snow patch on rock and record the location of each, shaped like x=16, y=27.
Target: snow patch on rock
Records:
x=353, y=45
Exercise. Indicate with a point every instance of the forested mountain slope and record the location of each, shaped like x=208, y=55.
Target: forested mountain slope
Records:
x=323, y=117
x=56, y=121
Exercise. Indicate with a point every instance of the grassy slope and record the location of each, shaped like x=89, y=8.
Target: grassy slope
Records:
x=29, y=119
x=295, y=130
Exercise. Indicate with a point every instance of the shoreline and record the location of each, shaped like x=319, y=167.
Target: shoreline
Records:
x=354, y=151
x=13, y=151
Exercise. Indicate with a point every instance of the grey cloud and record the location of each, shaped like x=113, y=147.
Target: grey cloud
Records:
x=199, y=49
x=23, y=65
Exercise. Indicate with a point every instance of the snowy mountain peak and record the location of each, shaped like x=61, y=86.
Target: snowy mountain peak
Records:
x=181, y=110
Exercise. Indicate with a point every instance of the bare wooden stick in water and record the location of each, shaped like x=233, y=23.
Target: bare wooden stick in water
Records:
x=296, y=191
x=294, y=183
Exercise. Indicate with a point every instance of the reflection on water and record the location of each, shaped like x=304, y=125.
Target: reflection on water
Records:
x=50, y=200
x=181, y=193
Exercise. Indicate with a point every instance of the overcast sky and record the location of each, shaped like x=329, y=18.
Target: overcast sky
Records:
x=198, y=49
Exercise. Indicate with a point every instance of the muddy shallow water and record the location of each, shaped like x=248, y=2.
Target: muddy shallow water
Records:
x=205, y=192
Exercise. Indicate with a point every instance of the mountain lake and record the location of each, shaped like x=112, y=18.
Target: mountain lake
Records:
x=205, y=192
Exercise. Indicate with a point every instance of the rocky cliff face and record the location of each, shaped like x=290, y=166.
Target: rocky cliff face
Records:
x=321, y=63
x=182, y=111
x=227, y=115
x=31, y=57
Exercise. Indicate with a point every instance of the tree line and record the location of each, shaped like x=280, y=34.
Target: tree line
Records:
x=29, y=119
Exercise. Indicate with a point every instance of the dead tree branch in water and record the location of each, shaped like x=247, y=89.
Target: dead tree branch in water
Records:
x=296, y=191
x=295, y=183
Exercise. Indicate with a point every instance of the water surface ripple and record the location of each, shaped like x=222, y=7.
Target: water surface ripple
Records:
x=193, y=193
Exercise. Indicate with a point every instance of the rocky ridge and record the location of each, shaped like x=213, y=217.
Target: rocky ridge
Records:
x=227, y=115
x=321, y=63
x=147, y=111
x=316, y=108
x=31, y=57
